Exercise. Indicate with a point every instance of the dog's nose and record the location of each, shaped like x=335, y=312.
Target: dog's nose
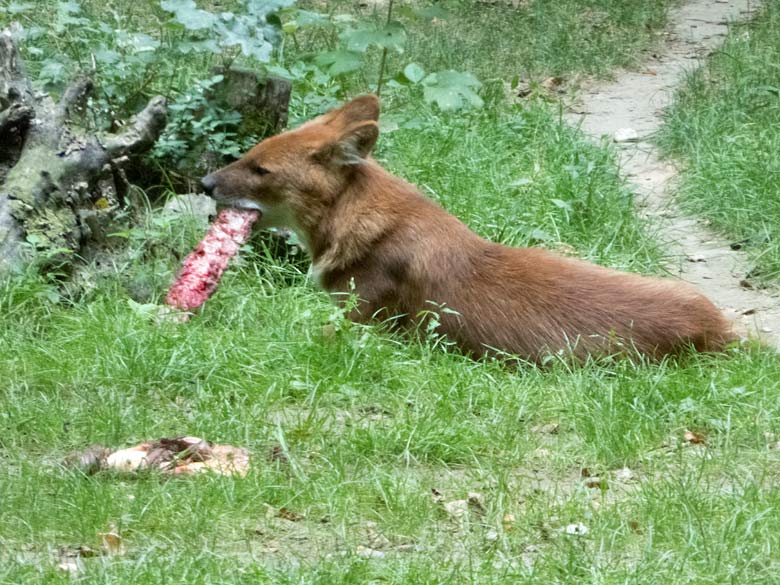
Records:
x=209, y=183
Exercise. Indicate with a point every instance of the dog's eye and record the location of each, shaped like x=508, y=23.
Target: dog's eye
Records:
x=260, y=170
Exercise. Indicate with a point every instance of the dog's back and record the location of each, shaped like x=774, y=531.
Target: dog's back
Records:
x=497, y=299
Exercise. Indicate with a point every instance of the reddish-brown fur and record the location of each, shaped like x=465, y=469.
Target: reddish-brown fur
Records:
x=403, y=255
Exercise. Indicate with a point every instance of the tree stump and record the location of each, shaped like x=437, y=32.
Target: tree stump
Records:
x=262, y=102
x=60, y=185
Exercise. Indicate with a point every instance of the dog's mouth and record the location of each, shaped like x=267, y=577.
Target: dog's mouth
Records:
x=247, y=204
x=240, y=204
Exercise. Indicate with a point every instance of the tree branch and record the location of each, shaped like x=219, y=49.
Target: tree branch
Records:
x=15, y=116
x=14, y=85
x=144, y=129
x=10, y=235
x=74, y=98
x=9, y=59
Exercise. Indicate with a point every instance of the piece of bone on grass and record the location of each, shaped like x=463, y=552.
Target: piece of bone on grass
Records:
x=186, y=455
x=202, y=269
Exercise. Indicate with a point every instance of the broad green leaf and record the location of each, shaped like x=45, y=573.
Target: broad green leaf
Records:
x=207, y=46
x=241, y=33
x=340, y=62
x=414, y=73
x=187, y=13
x=212, y=81
x=259, y=51
x=292, y=238
x=539, y=235
x=386, y=126
x=562, y=204
x=34, y=33
x=19, y=7
x=307, y=18
x=278, y=71
x=265, y=7
x=53, y=70
x=69, y=7
x=137, y=42
x=452, y=90
x=392, y=36
x=406, y=11
x=107, y=56
x=65, y=16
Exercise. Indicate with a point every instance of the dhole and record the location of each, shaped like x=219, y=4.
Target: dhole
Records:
x=373, y=234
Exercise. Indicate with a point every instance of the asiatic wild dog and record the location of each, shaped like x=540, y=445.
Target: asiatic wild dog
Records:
x=373, y=234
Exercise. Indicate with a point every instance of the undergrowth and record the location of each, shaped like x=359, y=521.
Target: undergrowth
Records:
x=724, y=127
x=375, y=457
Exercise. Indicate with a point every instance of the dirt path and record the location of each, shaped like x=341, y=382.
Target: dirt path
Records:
x=635, y=100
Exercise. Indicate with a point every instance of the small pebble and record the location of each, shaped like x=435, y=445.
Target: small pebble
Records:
x=626, y=135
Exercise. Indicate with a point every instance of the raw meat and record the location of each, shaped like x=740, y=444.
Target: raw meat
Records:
x=203, y=268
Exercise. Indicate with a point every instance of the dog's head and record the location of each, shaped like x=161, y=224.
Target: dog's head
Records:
x=293, y=175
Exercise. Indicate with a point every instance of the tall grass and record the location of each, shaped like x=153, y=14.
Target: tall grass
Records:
x=523, y=177
x=381, y=434
x=724, y=127
x=536, y=40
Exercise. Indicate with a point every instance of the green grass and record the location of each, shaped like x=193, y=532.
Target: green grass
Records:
x=541, y=38
x=724, y=127
x=372, y=424
x=569, y=37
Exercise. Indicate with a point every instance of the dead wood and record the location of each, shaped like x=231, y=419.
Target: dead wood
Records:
x=61, y=185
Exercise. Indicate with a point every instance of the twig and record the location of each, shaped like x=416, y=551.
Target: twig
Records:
x=384, y=53
x=142, y=132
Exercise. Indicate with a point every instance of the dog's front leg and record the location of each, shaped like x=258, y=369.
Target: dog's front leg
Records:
x=367, y=296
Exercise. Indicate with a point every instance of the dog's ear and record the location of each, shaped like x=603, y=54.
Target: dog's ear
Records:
x=353, y=145
x=362, y=109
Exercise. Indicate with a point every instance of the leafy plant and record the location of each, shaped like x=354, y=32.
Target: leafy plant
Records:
x=129, y=66
x=348, y=46
x=197, y=120
x=253, y=32
x=452, y=90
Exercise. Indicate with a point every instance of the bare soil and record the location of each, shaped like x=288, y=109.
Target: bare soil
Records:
x=635, y=99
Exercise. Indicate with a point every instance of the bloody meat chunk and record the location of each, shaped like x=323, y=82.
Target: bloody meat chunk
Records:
x=203, y=268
